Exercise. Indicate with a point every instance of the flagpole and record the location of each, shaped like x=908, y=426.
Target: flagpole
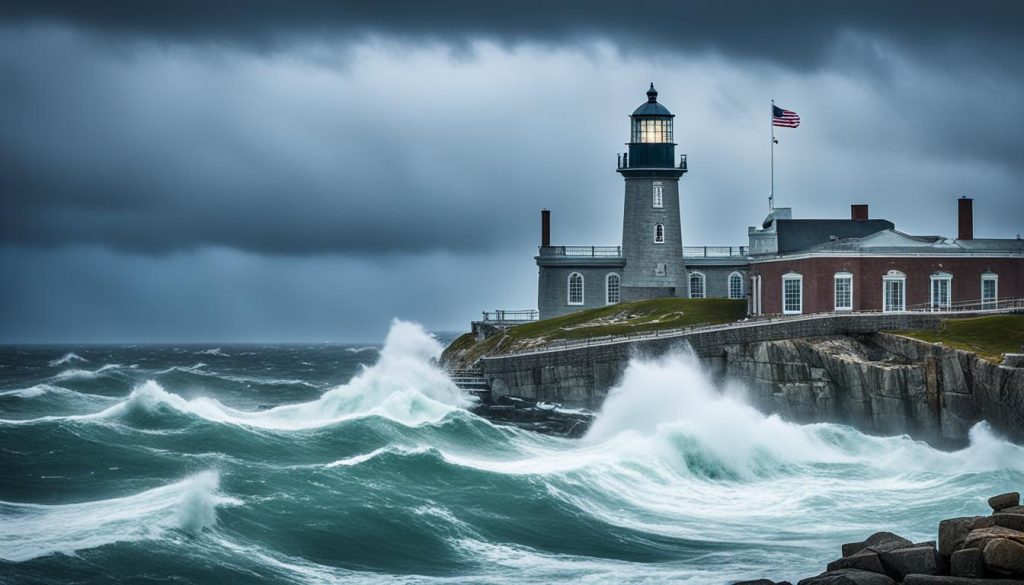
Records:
x=771, y=193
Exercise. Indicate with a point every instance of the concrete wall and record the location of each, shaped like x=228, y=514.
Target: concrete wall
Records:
x=553, y=288
x=643, y=254
x=716, y=280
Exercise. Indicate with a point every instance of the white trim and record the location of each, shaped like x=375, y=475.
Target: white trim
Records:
x=583, y=289
x=656, y=240
x=728, y=285
x=844, y=254
x=835, y=290
x=792, y=276
x=990, y=276
x=607, y=279
x=895, y=276
x=703, y=285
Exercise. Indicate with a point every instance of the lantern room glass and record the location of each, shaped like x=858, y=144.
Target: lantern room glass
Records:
x=652, y=130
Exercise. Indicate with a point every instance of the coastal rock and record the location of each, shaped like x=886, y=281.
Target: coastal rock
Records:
x=852, y=548
x=954, y=531
x=1004, y=556
x=848, y=577
x=864, y=560
x=968, y=562
x=1011, y=521
x=980, y=537
x=901, y=562
x=881, y=542
x=1003, y=501
x=762, y=582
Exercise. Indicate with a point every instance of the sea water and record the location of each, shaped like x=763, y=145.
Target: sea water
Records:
x=338, y=464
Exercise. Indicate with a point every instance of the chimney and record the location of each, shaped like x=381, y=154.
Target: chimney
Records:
x=859, y=212
x=965, y=218
x=545, y=228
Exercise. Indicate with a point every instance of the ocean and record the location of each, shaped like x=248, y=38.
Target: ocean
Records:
x=345, y=464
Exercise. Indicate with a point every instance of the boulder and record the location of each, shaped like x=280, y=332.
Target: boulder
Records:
x=848, y=577
x=1004, y=556
x=1012, y=510
x=864, y=560
x=756, y=582
x=1011, y=521
x=954, y=531
x=852, y=548
x=967, y=562
x=1003, y=501
x=980, y=537
x=901, y=562
x=880, y=542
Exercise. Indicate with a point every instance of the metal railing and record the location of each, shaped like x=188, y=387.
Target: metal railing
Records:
x=972, y=306
x=503, y=316
x=714, y=251
x=624, y=161
x=582, y=251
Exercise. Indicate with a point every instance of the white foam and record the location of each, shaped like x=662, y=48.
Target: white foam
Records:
x=67, y=358
x=214, y=351
x=77, y=374
x=35, y=530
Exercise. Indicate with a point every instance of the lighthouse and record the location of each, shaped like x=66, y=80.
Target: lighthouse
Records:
x=652, y=242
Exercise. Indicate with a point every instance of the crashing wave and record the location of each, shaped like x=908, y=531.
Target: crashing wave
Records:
x=76, y=374
x=67, y=359
x=214, y=351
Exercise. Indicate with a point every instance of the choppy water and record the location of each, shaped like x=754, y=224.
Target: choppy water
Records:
x=326, y=464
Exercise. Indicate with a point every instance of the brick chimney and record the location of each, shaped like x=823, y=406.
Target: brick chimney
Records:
x=859, y=212
x=965, y=218
x=545, y=228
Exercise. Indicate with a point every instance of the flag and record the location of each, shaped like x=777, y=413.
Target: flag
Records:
x=784, y=118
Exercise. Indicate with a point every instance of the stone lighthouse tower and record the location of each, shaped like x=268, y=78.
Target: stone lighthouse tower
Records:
x=652, y=242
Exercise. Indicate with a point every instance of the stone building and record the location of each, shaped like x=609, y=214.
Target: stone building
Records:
x=790, y=266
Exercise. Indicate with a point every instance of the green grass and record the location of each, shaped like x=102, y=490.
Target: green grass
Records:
x=989, y=337
x=620, y=319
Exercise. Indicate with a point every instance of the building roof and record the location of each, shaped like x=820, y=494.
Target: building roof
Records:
x=651, y=107
x=892, y=241
x=799, y=234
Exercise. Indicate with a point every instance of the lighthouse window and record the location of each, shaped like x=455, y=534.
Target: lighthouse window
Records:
x=792, y=294
x=658, y=130
x=575, y=288
x=697, y=286
x=659, y=234
x=658, y=198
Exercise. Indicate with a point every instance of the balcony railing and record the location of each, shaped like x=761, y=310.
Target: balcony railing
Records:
x=582, y=251
x=506, y=317
x=714, y=251
x=624, y=161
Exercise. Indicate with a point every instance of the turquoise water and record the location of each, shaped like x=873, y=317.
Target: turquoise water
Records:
x=329, y=463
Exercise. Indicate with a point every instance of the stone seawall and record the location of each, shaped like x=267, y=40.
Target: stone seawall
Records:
x=835, y=369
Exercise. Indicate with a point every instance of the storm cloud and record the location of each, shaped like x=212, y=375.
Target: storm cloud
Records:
x=363, y=139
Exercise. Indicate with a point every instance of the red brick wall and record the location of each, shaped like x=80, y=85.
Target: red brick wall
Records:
x=818, y=274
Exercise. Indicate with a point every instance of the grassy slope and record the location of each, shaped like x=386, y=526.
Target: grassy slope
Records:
x=989, y=337
x=620, y=319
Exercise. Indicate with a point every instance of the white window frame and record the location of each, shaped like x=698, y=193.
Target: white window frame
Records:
x=994, y=279
x=608, y=291
x=799, y=279
x=894, y=276
x=583, y=289
x=703, y=285
x=728, y=285
x=658, y=193
x=835, y=291
x=936, y=280
x=659, y=233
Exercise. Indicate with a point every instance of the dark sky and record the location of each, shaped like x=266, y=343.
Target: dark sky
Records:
x=276, y=171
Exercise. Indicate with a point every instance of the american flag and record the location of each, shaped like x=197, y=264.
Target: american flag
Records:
x=784, y=118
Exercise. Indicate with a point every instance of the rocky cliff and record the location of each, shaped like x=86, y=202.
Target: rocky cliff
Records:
x=879, y=383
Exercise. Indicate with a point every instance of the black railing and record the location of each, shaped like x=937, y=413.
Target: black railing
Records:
x=582, y=251
x=714, y=251
x=505, y=316
x=624, y=161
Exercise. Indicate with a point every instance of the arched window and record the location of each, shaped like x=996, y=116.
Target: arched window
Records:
x=843, y=291
x=575, y=288
x=735, y=285
x=792, y=293
x=697, y=285
x=941, y=291
x=989, y=290
x=659, y=233
x=894, y=292
x=613, y=289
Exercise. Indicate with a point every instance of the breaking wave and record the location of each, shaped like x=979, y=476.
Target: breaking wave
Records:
x=67, y=359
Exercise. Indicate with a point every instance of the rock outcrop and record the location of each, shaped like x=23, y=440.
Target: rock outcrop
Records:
x=971, y=551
